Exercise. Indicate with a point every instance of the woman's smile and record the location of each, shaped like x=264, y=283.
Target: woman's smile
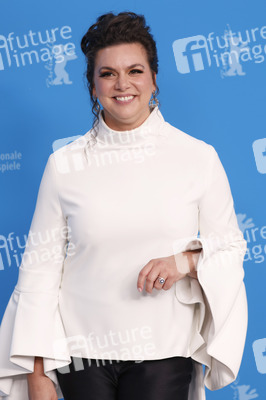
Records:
x=124, y=99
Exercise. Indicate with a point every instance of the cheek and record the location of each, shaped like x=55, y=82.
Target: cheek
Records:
x=102, y=87
x=145, y=84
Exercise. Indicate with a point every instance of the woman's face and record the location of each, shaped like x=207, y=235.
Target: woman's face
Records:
x=120, y=71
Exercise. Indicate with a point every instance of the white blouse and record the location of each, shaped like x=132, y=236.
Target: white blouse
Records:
x=107, y=205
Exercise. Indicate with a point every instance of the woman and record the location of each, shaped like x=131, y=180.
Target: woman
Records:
x=121, y=296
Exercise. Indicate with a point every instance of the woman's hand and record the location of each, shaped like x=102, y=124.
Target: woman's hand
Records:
x=172, y=269
x=40, y=386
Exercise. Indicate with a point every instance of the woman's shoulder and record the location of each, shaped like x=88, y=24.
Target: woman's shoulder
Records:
x=188, y=142
x=68, y=154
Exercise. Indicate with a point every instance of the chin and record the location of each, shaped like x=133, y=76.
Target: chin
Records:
x=123, y=113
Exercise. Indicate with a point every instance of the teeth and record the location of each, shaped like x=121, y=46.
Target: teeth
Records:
x=124, y=98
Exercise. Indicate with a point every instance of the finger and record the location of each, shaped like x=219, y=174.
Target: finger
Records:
x=151, y=278
x=168, y=284
x=143, y=274
x=157, y=285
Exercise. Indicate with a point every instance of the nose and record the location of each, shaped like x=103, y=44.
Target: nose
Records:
x=122, y=82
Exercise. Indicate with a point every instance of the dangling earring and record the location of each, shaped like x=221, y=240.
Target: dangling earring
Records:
x=97, y=105
x=96, y=109
x=154, y=101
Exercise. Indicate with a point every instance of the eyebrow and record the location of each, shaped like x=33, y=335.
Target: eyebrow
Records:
x=113, y=69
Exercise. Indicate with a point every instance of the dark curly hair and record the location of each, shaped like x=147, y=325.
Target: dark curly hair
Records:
x=111, y=29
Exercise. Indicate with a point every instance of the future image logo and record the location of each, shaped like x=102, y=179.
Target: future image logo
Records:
x=227, y=52
x=243, y=392
x=75, y=161
x=75, y=153
x=191, y=54
x=255, y=237
x=57, y=72
x=259, y=150
x=52, y=47
x=259, y=350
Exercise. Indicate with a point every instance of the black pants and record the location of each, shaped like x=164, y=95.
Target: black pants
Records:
x=91, y=379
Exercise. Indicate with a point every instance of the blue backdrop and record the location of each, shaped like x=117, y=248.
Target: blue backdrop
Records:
x=212, y=86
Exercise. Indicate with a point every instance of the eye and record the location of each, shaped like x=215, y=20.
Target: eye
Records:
x=137, y=70
x=105, y=74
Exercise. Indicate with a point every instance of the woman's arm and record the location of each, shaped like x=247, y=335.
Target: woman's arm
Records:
x=38, y=367
x=35, y=299
x=223, y=304
x=40, y=387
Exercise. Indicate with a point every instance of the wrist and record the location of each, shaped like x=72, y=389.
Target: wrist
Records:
x=182, y=263
x=38, y=367
x=186, y=262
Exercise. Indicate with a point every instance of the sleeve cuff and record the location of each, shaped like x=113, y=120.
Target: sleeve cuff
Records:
x=219, y=296
x=30, y=327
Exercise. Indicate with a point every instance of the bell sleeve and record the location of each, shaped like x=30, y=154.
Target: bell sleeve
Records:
x=31, y=323
x=218, y=295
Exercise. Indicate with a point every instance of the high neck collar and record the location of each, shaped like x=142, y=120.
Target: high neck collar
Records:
x=148, y=131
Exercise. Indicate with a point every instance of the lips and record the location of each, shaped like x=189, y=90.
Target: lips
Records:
x=124, y=99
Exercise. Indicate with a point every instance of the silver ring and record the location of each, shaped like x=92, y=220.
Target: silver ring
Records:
x=161, y=280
